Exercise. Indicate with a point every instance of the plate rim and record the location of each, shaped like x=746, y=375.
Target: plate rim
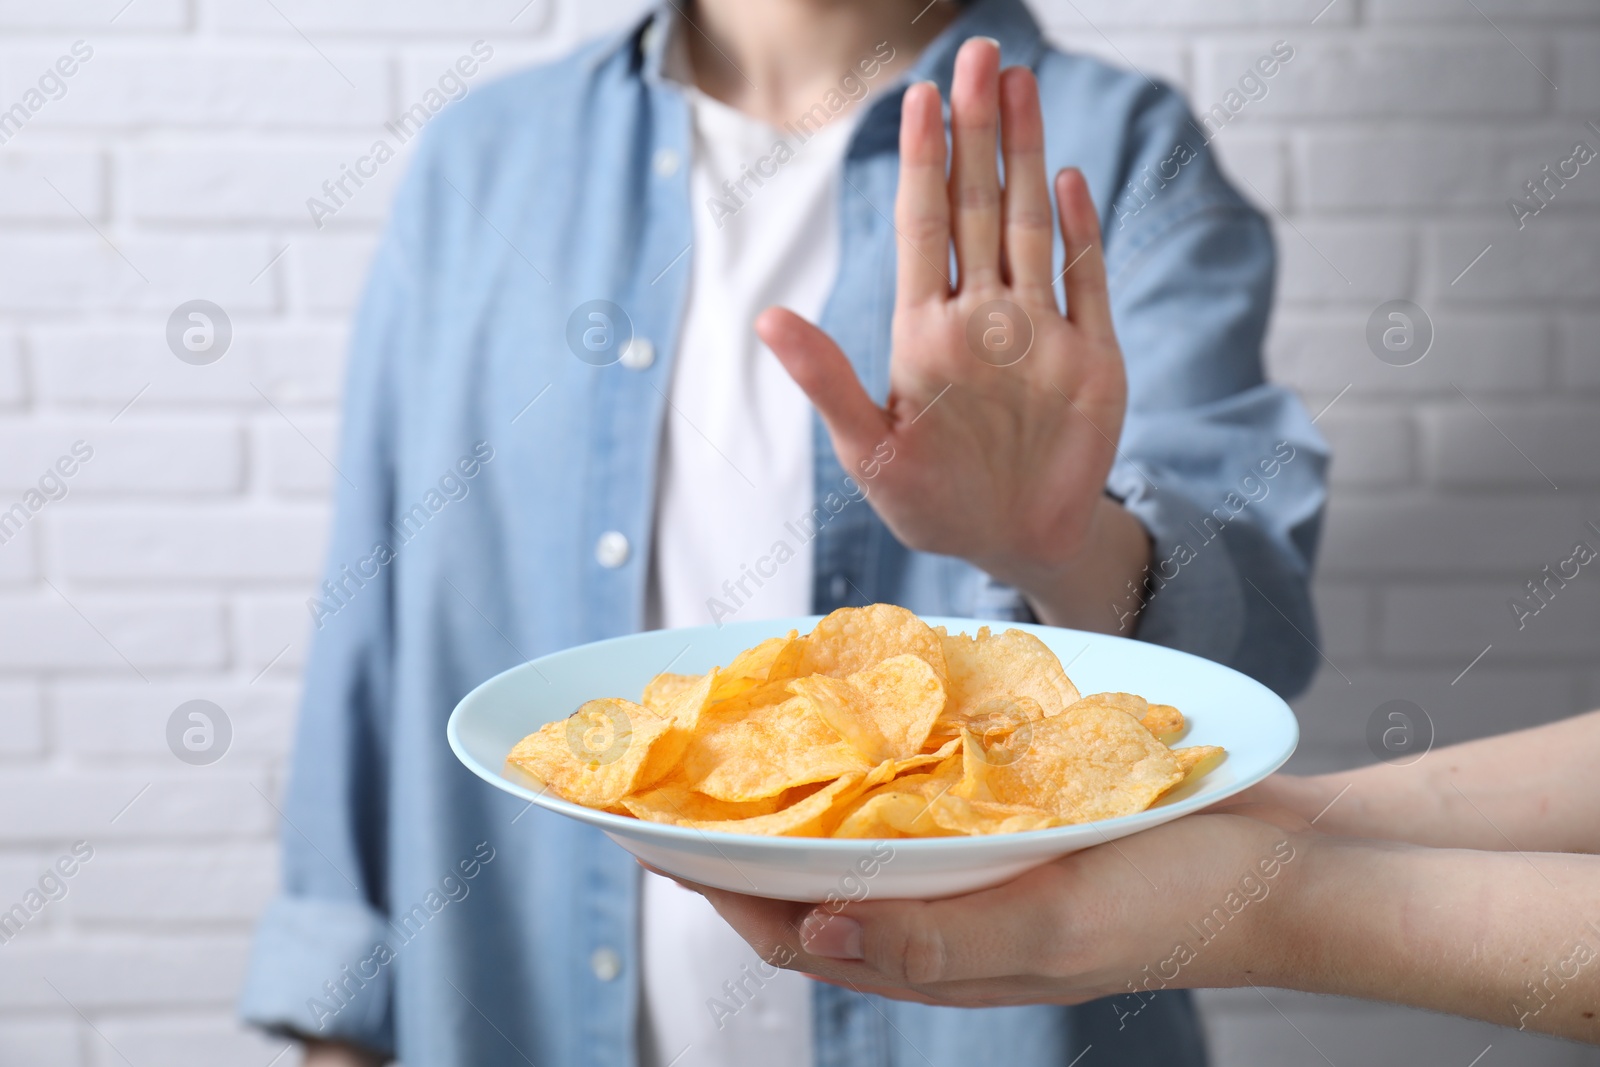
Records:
x=978, y=843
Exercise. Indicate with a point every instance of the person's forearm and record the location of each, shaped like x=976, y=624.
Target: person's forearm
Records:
x=1511, y=939
x=1078, y=595
x=1533, y=790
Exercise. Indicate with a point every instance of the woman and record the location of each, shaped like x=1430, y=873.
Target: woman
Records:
x=571, y=304
x=1466, y=883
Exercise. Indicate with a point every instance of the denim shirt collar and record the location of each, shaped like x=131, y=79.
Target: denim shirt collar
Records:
x=1007, y=21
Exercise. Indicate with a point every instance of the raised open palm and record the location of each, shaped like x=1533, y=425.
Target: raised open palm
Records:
x=1002, y=412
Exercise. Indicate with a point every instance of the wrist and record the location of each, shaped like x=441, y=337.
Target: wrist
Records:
x=1042, y=562
x=1308, y=796
x=1268, y=948
x=1337, y=931
x=1272, y=952
x=1077, y=579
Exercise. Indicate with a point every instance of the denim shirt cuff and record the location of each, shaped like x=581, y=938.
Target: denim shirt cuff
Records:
x=314, y=973
x=1191, y=600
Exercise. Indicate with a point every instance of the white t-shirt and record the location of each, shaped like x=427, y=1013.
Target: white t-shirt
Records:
x=736, y=464
x=736, y=450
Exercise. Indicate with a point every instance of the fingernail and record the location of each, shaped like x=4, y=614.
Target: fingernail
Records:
x=834, y=937
x=991, y=40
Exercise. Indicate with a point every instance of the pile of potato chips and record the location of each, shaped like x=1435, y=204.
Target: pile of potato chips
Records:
x=872, y=725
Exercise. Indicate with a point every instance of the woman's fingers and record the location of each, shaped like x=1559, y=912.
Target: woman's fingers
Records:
x=993, y=228
x=768, y=925
x=897, y=946
x=1088, y=303
x=922, y=205
x=994, y=933
x=974, y=173
x=825, y=375
x=1029, y=233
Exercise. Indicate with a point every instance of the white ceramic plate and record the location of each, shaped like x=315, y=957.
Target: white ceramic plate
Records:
x=1222, y=706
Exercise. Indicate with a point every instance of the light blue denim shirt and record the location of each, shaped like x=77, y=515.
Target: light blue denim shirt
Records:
x=483, y=463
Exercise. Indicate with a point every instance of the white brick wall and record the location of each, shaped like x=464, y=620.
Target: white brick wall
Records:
x=177, y=166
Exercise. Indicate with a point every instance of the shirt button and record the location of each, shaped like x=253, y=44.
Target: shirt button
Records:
x=639, y=354
x=838, y=587
x=605, y=963
x=611, y=550
x=666, y=162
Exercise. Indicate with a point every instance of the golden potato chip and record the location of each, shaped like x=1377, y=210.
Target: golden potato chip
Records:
x=893, y=768
x=940, y=779
x=807, y=817
x=673, y=801
x=758, y=695
x=959, y=815
x=684, y=711
x=666, y=688
x=905, y=697
x=595, y=755
x=890, y=812
x=926, y=806
x=754, y=661
x=885, y=710
x=1093, y=761
x=1198, y=759
x=853, y=639
x=766, y=750
x=1136, y=706
x=1003, y=725
x=897, y=814
x=846, y=711
x=973, y=783
x=774, y=659
x=686, y=706
x=1162, y=720
x=1003, y=666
